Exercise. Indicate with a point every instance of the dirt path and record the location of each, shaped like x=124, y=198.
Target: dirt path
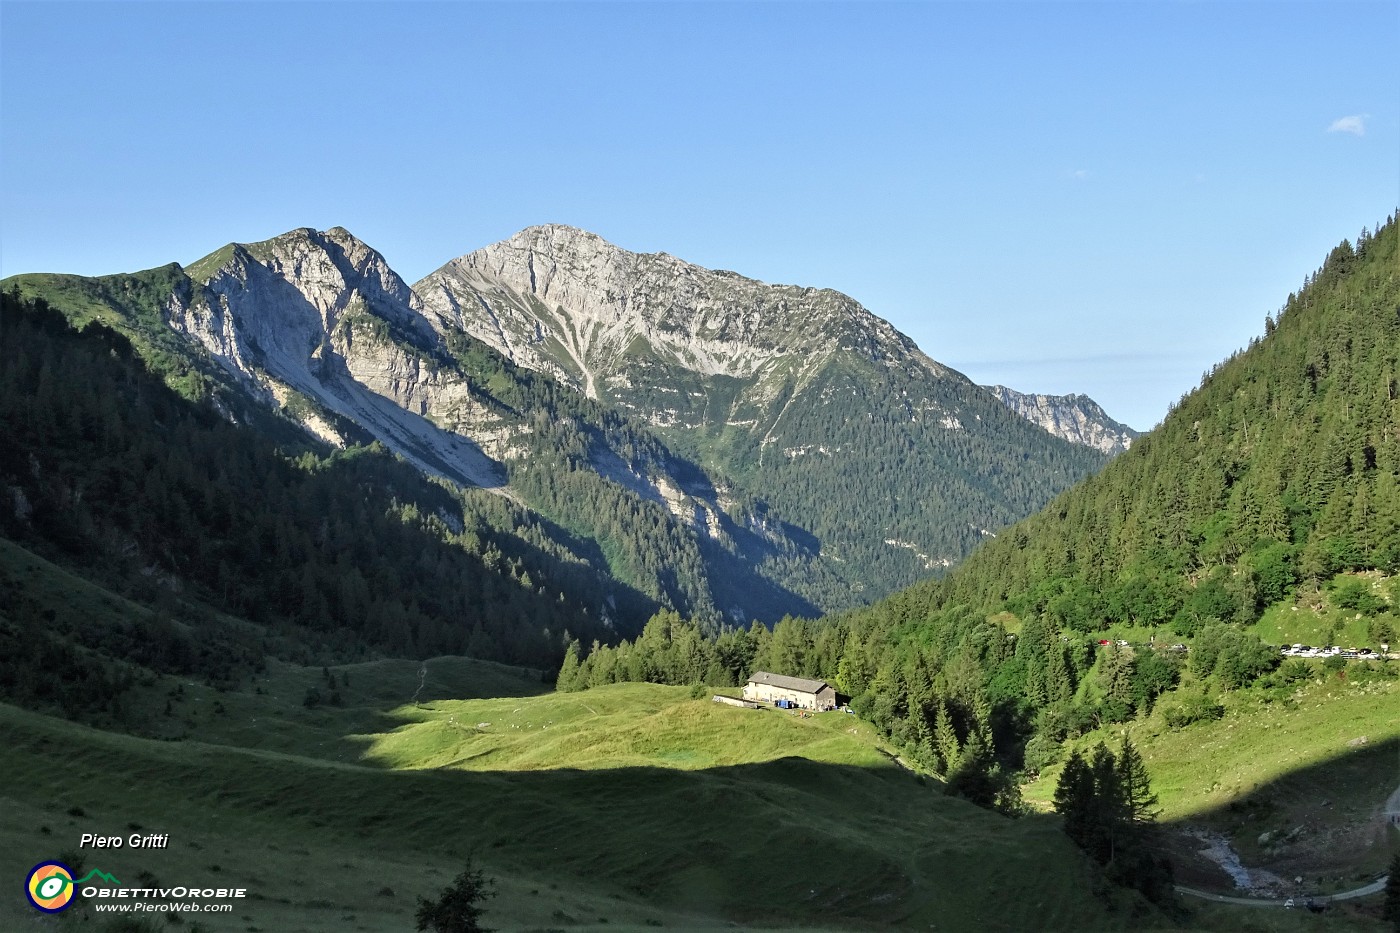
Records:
x=1225, y=899
x=1375, y=887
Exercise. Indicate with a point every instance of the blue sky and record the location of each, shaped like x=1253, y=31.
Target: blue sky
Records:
x=1104, y=197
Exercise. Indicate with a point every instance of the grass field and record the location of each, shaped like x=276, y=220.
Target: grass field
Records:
x=652, y=808
x=1315, y=620
x=337, y=796
x=623, y=726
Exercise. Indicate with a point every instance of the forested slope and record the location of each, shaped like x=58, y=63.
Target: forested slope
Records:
x=1282, y=468
x=314, y=330
x=1274, y=476
x=109, y=472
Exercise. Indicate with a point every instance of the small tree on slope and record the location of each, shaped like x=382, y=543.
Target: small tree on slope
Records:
x=458, y=908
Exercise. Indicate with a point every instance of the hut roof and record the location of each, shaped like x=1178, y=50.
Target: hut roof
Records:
x=783, y=682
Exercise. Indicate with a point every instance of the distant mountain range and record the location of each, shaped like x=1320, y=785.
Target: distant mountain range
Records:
x=1076, y=418
x=728, y=448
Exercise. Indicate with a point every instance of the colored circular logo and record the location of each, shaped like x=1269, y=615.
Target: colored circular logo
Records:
x=50, y=887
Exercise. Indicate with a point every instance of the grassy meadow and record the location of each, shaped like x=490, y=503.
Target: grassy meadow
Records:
x=650, y=808
x=339, y=795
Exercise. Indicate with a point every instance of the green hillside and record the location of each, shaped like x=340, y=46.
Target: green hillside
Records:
x=1308, y=773
x=122, y=480
x=1153, y=597
x=767, y=820
x=1280, y=471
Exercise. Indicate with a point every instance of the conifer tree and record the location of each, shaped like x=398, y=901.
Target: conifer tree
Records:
x=975, y=776
x=569, y=670
x=1074, y=797
x=1134, y=789
x=945, y=737
x=1109, y=814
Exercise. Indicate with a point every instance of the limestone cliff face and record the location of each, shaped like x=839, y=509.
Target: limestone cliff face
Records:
x=608, y=321
x=321, y=314
x=1076, y=418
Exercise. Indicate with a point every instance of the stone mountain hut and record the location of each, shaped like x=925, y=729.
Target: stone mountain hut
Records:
x=764, y=687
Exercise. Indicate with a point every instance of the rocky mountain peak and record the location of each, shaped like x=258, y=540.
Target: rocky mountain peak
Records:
x=1076, y=418
x=322, y=315
x=568, y=302
x=331, y=272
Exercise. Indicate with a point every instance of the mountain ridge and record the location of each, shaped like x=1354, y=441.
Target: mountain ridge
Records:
x=719, y=310
x=1074, y=417
x=785, y=388
x=749, y=415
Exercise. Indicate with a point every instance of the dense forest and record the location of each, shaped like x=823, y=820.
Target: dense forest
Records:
x=1278, y=474
x=342, y=554
x=1281, y=470
x=886, y=484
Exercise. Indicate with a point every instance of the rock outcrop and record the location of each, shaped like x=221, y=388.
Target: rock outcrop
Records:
x=1076, y=418
x=564, y=301
x=322, y=315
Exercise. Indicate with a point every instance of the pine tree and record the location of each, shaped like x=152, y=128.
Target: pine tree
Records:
x=569, y=670
x=1109, y=815
x=975, y=776
x=1058, y=681
x=1134, y=788
x=945, y=737
x=1074, y=798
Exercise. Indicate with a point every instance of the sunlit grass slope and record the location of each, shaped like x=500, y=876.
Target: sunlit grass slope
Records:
x=619, y=726
x=1209, y=765
x=1205, y=767
x=801, y=823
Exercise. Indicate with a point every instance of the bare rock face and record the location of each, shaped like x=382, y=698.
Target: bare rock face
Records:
x=322, y=315
x=1076, y=418
x=563, y=301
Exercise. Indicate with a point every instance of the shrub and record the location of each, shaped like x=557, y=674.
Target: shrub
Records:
x=458, y=908
x=1192, y=708
x=1041, y=752
x=1355, y=593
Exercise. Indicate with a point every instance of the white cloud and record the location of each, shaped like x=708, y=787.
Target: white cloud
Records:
x=1354, y=124
x=1079, y=173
